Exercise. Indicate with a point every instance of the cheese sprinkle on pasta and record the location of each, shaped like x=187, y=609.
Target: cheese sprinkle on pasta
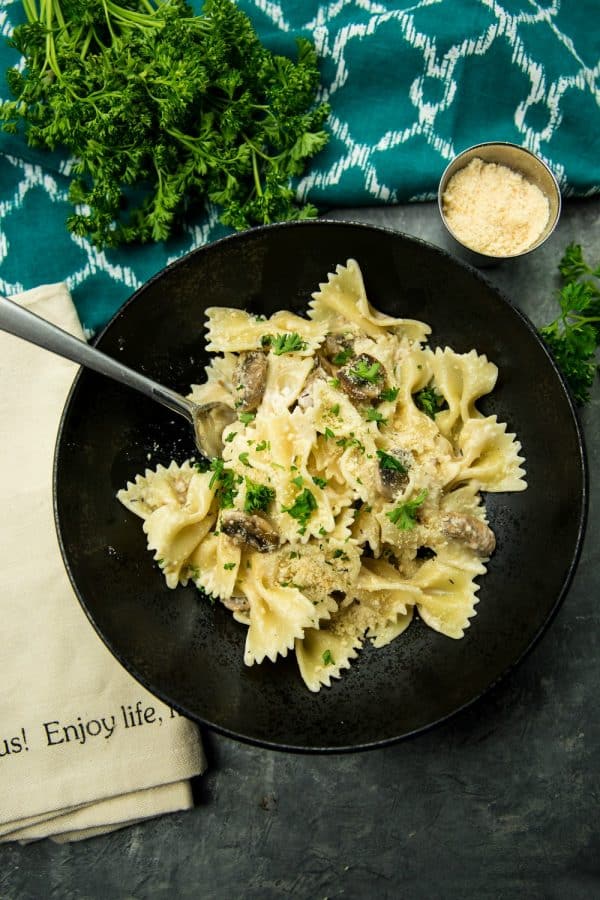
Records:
x=347, y=497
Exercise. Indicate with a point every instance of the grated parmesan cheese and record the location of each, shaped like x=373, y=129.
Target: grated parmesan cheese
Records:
x=493, y=209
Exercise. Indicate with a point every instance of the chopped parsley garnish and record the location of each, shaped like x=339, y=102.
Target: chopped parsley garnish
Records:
x=302, y=508
x=387, y=461
x=229, y=566
x=287, y=343
x=246, y=418
x=352, y=441
x=226, y=481
x=263, y=445
x=362, y=371
x=429, y=401
x=328, y=659
x=405, y=515
x=243, y=458
x=339, y=554
x=298, y=481
x=373, y=415
x=389, y=394
x=341, y=358
x=258, y=497
x=202, y=464
x=320, y=482
x=336, y=409
x=230, y=437
x=328, y=433
x=334, y=382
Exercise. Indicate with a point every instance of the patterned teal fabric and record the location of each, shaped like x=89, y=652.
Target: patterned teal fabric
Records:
x=410, y=85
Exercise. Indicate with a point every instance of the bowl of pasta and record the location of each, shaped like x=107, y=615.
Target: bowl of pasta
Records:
x=369, y=552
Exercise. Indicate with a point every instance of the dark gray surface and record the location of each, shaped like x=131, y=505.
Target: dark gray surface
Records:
x=500, y=802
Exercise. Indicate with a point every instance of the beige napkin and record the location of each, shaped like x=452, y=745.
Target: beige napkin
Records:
x=84, y=748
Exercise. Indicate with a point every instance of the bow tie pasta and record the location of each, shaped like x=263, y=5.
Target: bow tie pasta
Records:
x=347, y=497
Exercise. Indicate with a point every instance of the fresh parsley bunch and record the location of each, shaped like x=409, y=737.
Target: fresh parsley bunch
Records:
x=575, y=334
x=163, y=110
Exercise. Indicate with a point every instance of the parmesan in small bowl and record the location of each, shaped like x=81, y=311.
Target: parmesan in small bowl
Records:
x=498, y=201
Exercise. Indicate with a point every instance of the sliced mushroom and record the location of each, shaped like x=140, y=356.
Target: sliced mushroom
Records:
x=251, y=531
x=334, y=344
x=236, y=604
x=471, y=531
x=358, y=388
x=393, y=478
x=249, y=379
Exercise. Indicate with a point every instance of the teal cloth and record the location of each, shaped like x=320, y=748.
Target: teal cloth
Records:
x=410, y=85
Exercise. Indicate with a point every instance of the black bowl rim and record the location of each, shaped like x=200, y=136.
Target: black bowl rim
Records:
x=582, y=458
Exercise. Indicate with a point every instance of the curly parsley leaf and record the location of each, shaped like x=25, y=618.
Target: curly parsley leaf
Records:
x=387, y=461
x=575, y=333
x=341, y=358
x=573, y=266
x=258, y=497
x=287, y=343
x=163, y=111
x=226, y=482
x=302, y=508
x=373, y=415
x=429, y=401
x=404, y=516
x=362, y=371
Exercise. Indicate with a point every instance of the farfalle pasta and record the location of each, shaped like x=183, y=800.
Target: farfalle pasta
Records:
x=347, y=496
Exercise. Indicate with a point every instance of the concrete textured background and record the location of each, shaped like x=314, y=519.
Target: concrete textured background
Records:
x=500, y=802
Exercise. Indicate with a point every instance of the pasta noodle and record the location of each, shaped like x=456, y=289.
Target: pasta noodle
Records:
x=347, y=497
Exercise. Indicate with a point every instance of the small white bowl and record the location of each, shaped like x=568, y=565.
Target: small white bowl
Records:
x=519, y=160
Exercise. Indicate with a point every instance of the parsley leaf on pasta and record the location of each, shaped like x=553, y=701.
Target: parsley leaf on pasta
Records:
x=405, y=515
x=429, y=401
x=302, y=508
x=258, y=497
x=387, y=461
x=287, y=343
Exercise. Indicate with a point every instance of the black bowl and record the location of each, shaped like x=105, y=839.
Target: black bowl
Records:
x=191, y=654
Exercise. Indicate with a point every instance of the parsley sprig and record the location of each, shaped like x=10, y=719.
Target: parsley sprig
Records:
x=387, y=461
x=405, y=515
x=164, y=110
x=287, y=343
x=258, y=497
x=226, y=482
x=575, y=333
x=362, y=371
x=302, y=508
x=430, y=401
x=373, y=415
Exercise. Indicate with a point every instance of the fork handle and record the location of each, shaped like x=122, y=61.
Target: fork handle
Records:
x=23, y=323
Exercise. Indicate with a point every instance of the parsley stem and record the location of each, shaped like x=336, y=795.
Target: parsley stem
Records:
x=86, y=44
x=31, y=10
x=108, y=21
x=58, y=14
x=257, y=149
x=256, y=173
